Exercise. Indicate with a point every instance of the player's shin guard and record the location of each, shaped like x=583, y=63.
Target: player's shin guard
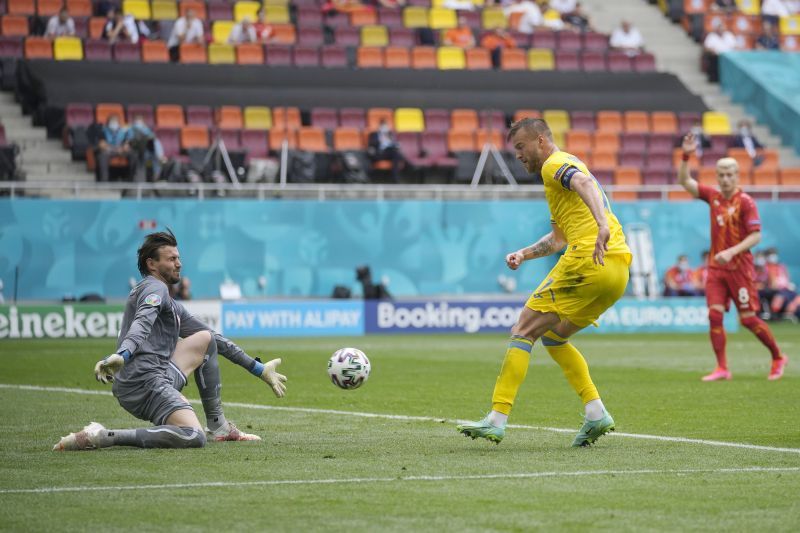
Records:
x=209, y=384
x=717, y=334
x=512, y=374
x=762, y=331
x=572, y=364
x=154, y=437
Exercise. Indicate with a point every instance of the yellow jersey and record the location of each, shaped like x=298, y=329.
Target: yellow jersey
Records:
x=571, y=214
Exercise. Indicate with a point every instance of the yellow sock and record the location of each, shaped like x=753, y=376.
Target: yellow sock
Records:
x=512, y=374
x=573, y=364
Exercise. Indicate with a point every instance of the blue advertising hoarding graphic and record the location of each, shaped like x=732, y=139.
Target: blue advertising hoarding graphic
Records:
x=308, y=318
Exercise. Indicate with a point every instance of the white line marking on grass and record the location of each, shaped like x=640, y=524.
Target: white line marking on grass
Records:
x=527, y=475
x=310, y=410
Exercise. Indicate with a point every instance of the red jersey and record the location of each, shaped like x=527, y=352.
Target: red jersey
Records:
x=678, y=279
x=731, y=221
x=777, y=276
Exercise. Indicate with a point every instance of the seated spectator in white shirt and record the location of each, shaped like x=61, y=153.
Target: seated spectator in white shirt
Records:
x=530, y=18
x=775, y=8
x=627, y=39
x=243, y=32
x=461, y=5
x=60, y=25
x=563, y=6
x=187, y=29
x=120, y=27
x=551, y=17
x=717, y=42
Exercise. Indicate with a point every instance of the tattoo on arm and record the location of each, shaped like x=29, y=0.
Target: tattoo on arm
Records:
x=544, y=246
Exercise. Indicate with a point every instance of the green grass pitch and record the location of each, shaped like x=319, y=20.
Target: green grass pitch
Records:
x=322, y=467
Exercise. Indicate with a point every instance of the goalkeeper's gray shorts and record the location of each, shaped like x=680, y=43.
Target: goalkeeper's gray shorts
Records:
x=154, y=396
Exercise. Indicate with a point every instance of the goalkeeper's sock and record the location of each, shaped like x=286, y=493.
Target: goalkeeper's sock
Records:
x=154, y=437
x=512, y=374
x=209, y=384
x=573, y=365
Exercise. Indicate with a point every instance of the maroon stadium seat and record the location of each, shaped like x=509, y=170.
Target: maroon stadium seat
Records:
x=687, y=119
x=127, y=52
x=230, y=137
x=592, y=61
x=11, y=47
x=619, y=62
x=597, y=42
x=644, y=63
x=96, y=50
x=353, y=117
x=199, y=115
x=437, y=120
x=435, y=146
x=305, y=56
x=495, y=120
x=633, y=142
x=410, y=147
x=218, y=10
x=255, y=142
x=402, y=37
x=278, y=55
x=582, y=120
x=79, y=114
x=309, y=17
x=661, y=143
x=170, y=140
x=523, y=40
x=324, y=117
x=543, y=39
x=310, y=36
x=347, y=36
x=145, y=110
x=658, y=162
x=567, y=40
x=566, y=60
x=390, y=17
x=334, y=57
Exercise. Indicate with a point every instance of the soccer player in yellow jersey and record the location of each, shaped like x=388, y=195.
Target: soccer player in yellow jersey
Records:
x=590, y=276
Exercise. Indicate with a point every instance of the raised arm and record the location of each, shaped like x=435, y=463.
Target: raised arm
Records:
x=547, y=245
x=684, y=178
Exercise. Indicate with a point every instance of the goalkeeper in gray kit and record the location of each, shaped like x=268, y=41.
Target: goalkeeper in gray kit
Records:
x=159, y=346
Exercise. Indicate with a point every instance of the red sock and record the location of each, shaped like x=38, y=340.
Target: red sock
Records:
x=761, y=330
x=717, y=334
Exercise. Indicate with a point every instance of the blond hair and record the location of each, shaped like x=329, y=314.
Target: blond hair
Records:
x=727, y=162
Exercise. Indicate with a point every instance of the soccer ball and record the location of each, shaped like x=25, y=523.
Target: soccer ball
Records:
x=348, y=368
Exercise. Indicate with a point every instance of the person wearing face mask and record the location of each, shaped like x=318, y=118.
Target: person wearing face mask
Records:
x=678, y=279
x=700, y=275
x=145, y=148
x=745, y=139
x=735, y=229
x=785, y=300
x=382, y=145
x=113, y=143
x=703, y=140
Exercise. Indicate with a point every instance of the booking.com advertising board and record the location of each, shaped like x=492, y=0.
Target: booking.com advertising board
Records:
x=317, y=318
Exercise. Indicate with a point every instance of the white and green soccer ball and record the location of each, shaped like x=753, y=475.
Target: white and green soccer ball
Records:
x=348, y=368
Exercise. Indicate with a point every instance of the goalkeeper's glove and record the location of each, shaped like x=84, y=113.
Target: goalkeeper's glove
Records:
x=272, y=378
x=105, y=369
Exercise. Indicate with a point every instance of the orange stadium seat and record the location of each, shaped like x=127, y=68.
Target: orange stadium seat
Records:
x=347, y=139
x=312, y=139
x=765, y=176
x=96, y=25
x=679, y=196
x=603, y=161
x=397, y=57
x=169, y=116
x=376, y=114
x=513, y=59
x=250, y=54
x=21, y=7
x=229, y=117
x=609, y=121
x=790, y=176
x=578, y=140
x=198, y=7
x=277, y=136
x=363, y=17
x=495, y=137
x=191, y=53
x=286, y=118
x=519, y=114
x=626, y=176
x=461, y=141
x=194, y=137
x=770, y=159
x=284, y=34
x=423, y=57
x=664, y=122
x=79, y=8
x=14, y=26
x=707, y=176
x=478, y=59
x=369, y=57
x=103, y=111
x=464, y=120
x=636, y=122
x=155, y=52
x=48, y=8
x=743, y=158
x=606, y=141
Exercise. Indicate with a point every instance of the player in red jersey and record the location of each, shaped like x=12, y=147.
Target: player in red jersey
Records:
x=735, y=229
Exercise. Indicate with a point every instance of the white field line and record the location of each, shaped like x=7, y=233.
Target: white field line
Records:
x=310, y=410
x=527, y=475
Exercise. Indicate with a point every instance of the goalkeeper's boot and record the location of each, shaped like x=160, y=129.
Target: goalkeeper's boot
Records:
x=482, y=429
x=229, y=432
x=777, y=368
x=593, y=430
x=718, y=374
x=86, y=439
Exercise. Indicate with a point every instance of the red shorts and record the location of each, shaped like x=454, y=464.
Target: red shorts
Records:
x=722, y=286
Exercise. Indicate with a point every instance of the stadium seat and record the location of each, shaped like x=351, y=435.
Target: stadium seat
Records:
x=480, y=59
x=423, y=57
x=126, y=52
x=450, y=58
x=11, y=47
x=544, y=39
x=440, y=18
x=664, y=122
x=278, y=55
x=397, y=57
x=170, y=141
x=790, y=25
x=609, y=121
x=155, y=52
x=409, y=119
x=603, y=161
x=376, y=114
x=229, y=117
x=250, y=54
x=199, y=8
x=347, y=36
x=231, y=138
x=770, y=159
x=94, y=50
x=790, y=176
x=493, y=119
x=309, y=17
x=790, y=43
x=311, y=139
x=221, y=54
x=104, y=110
x=247, y=9
x=14, y=26
x=256, y=142
x=644, y=63
x=374, y=36
x=715, y=123
x=21, y=7
x=286, y=118
x=402, y=37
x=633, y=143
x=144, y=110
x=164, y=10
x=199, y=115
x=138, y=9
x=334, y=57
x=390, y=17
x=567, y=60
x=38, y=48
x=79, y=8
x=305, y=56
x=627, y=176
x=557, y=119
x=278, y=136
x=513, y=59
x=464, y=120
x=353, y=117
x=257, y=118
x=578, y=140
x=194, y=137
x=436, y=120
x=415, y=17
x=310, y=36
x=619, y=62
x=582, y=120
x=326, y=118
x=493, y=17
x=96, y=25
x=766, y=176
x=369, y=57
x=461, y=141
x=494, y=137
x=567, y=40
x=636, y=122
x=541, y=59
x=78, y=114
x=597, y=42
x=363, y=17
x=605, y=141
x=592, y=61
x=191, y=53
x=169, y=116
x=348, y=139
x=221, y=30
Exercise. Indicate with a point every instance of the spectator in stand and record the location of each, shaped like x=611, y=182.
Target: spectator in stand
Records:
x=785, y=300
x=744, y=138
x=264, y=30
x=725, y=6
x=388, y=3
x=565, y=7
x=181, y=290
x=495, y=40
x=382, y=145
x=530, y=15
x=244, y=32
x=144, y=148
x=60, y=25
x=626, y=39
x=187, y=29
x=717, y=42
x=703, y=140
x=769, y=39
x=460, y=5
x=700, y=274
x=578, y=19
x=120, y=28
x=773, y=10
x=551, y=18
x=113, y=142
x=460, y=36
x=678, y=280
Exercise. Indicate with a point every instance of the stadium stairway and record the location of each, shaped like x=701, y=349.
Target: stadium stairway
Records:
x=677, y=53
x=43, y=159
